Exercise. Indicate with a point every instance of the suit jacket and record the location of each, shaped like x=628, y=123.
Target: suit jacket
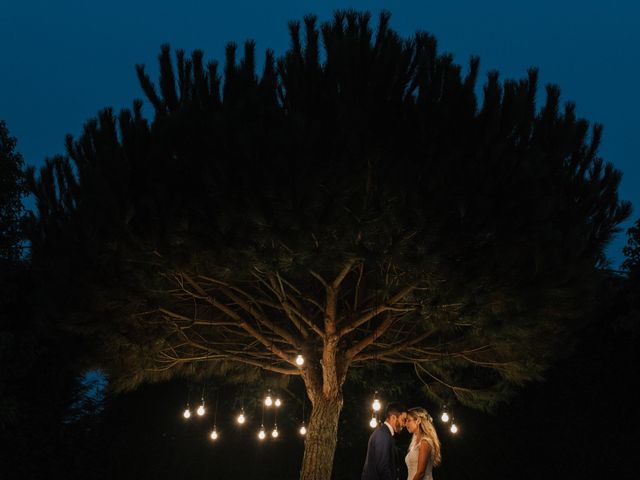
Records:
x=381, y=462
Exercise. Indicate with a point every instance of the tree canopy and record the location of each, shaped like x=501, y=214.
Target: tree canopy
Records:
x=354, y=203
x=12, y=189
x=34, y=357
x=371, y=162
x=632, y=249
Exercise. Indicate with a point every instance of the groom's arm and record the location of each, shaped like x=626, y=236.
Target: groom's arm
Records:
x=383, y=455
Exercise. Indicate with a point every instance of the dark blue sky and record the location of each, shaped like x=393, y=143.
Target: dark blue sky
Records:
x=63, y=61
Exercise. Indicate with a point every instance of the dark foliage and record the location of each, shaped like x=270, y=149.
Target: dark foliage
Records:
x=378, y=151
x=12, y=189
x=37, y=378
x=632, y=250
x=628, y=301
x=374, y=150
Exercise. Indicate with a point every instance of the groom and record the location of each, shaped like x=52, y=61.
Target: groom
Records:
x=382, y=457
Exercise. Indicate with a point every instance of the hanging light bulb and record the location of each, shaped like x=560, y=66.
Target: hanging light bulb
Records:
x=200, y=410
x=186, y=413
x=299, y=360
x=445, y=416
x=277, y=403
x=303, y=429
x=261, y=434
x=373, y=423
x=240, y=418
x=214, y=434
x=453, y=428
x=274, y=432
x=268, y=401
x=376, y=403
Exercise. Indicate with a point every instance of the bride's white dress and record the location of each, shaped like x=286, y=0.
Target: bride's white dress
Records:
x=412, y=460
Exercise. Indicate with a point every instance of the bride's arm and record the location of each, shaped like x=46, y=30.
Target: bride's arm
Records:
x=423, y=459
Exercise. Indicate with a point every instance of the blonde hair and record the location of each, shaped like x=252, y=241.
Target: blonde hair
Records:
x=427, y=430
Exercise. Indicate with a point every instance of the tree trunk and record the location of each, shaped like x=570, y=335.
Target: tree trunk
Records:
x=322, y=435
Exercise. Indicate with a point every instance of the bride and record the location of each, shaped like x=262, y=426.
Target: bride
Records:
x=424, y=451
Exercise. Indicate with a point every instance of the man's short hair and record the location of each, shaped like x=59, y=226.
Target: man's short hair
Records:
x=395, y=408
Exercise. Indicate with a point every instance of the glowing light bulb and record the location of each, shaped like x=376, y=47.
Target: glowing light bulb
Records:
x=186, y=413
x=303, y=430
x=278, y=402
x=274, y=433
x=376, y=405
x=268, y=401
x=444, y=417
x=214, y=435
x=200, y=410
x=454, y=428
x=261, y=434
x=299, y=360
x=373, y=423
x=241, y=419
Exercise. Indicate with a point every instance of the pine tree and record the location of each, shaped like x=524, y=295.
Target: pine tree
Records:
x=12, y=189
x=352, y=204
x=12, y=275
x=632, y=250
x=38, y=373
x=627, y=300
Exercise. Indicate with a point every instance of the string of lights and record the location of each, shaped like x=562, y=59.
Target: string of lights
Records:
x=272, y=399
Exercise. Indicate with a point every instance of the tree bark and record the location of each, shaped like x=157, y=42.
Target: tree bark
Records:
x=321, y=439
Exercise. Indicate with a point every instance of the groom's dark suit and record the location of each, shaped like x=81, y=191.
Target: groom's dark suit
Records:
x=382, y=457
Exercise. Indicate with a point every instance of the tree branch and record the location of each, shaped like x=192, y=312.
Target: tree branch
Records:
x=331, y=306
x=390, y=351
x=342, y=275
x=368, y=340
x=292, y=313
x=241, y=322
x=376, y=311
